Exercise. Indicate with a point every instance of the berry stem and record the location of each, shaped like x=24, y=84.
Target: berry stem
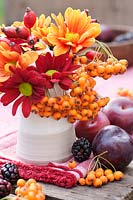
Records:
x=108, y=163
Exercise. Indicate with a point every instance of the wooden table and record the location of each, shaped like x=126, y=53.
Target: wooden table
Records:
x=118, y=190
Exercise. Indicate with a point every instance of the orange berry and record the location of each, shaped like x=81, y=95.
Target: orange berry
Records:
x=72, y=112
x=47, y=113
x=91, y=177
x=123, y=69
x=17, y=190
x=34, y=109
x=85, y=98
x=48, y=108
x=82, y=181
x=100, y=69
x=84, y=112
x=103, y=179
x=78, y=91
x=97, y=182
x=109, y=69
x=51, y=101
x=123, y=62
x=83, y=59
x=59, y=100
x=117, y=68
x=108, y=171
x=23, y=191
x=72, y=164
x=56, y=115
x=118, y=175
x=39, y=186
x=100, y=169
x=33, y=187
x=99, y=173
x=110, y=61
x=91, y=172
x=88, y=182
x=110, y=177
x=31, y=195
x=66, y=105
x=66, y=97
x=21, y=182
x=71, y=119
x=55, y=107
x=106, y=76
x=29, y=181
x=44, y=100
x=92, y=66
x=40, y=196
x=39, y=105
x=93, y=106
x=82, y=81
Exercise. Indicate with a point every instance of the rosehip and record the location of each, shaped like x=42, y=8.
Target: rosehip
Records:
x=10, y=31
x=22, y=32
x=29, y=18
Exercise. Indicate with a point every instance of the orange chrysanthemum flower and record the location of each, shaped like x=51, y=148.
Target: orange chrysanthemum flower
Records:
x=75, y=31
x=40, y=29
x=10, y=57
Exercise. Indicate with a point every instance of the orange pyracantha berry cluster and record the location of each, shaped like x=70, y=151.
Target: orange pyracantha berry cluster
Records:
x=104, y=69
x=29, y=190
x=125, y=93
x=81, y=103
x=100, y=177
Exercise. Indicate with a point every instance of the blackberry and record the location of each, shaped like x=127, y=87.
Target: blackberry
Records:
x=81, y=149
x=5, y=188
x=10, y=172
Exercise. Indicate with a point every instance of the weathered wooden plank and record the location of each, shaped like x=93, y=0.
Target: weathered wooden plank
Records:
x=119, y=190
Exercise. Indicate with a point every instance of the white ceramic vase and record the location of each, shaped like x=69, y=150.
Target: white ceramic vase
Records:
x=42, y=140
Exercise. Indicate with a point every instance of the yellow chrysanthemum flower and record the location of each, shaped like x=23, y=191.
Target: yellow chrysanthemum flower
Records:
x=40, y=29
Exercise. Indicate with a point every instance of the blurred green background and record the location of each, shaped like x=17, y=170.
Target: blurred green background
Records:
x=1, y=11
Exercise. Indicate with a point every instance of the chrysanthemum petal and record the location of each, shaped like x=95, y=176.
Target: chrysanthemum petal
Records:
x=9, y=97
x=65, y=83
x=28, y=58
x=43, y=63
x=16, y=104
x=26, y=107
x=60, y=49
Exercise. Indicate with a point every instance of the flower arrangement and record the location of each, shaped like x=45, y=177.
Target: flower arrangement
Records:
x=49, y=67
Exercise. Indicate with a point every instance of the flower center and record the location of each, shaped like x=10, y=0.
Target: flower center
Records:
x=50, y=72
x=25, y=89
x=69, y=36
x=72, y=37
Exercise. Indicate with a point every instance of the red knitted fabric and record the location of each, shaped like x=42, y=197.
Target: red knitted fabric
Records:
x=55, y=173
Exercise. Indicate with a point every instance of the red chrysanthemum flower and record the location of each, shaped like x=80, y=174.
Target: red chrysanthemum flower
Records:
x=25, y=86
x=56, y=69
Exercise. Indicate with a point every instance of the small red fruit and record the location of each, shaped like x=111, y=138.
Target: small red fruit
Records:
x=29, y=18
x=9, y=31
x=91, y=54
x=22, y=32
